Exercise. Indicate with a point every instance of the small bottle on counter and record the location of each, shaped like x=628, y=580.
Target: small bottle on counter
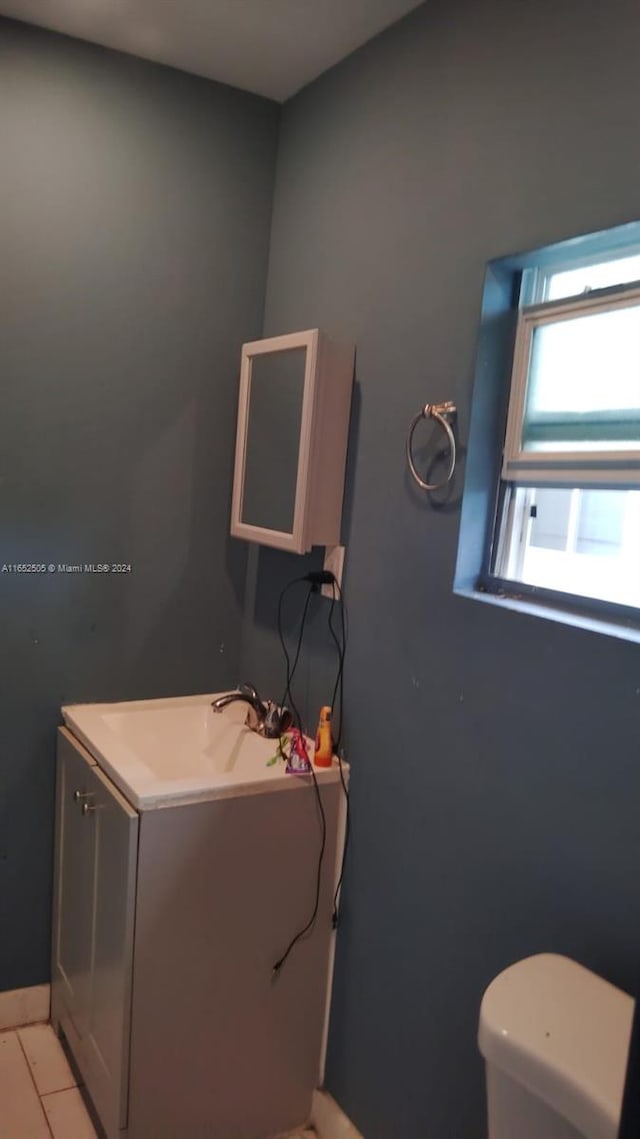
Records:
x=323, y=754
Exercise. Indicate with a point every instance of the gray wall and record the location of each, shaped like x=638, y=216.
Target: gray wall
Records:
x=495, y=761
x=134, y=219
x=496, y=767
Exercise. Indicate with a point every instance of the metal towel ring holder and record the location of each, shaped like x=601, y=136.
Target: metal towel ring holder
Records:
x=442, y=413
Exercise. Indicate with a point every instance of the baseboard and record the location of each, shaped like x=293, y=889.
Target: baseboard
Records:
x=329, y=1120
x=24, y=1006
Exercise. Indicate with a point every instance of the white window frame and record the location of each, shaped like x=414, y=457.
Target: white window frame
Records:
x=614, y=468
x=536, y=281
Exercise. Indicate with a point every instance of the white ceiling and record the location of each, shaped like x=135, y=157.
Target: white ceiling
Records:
x=271, y=47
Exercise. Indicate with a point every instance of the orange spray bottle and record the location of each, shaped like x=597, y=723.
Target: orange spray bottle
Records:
x=323, y=755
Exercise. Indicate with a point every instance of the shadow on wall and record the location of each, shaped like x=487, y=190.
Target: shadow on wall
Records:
x=269, y=571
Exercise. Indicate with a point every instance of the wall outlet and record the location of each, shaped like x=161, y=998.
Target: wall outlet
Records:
x=334, y=562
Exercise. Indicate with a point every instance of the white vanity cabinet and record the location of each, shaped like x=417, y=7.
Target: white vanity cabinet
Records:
x=169, y=913
x=94, y=896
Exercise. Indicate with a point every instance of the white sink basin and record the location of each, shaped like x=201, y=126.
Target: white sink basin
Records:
x=160, y=751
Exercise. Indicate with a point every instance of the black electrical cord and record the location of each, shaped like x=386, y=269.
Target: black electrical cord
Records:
x=315, y=580
x=291, y=669
x=338, y=688
x=288, y=695
x=341, y=646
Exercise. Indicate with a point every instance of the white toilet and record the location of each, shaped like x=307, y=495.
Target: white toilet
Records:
x=555, y=1039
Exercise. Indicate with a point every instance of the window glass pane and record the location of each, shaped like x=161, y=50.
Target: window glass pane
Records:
x=584, y=382
x=600, y=555
x=573, y=281
x=549, y=514
x=600, y=523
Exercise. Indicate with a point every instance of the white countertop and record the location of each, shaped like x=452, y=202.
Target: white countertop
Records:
x=178, y=750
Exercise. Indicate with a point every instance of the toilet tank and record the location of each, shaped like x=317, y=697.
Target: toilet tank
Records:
x=555, y=1039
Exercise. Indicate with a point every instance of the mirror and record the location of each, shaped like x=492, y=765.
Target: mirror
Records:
x=274, y=421
x=291, y=441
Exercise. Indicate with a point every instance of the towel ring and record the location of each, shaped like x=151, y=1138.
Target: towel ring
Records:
x=442, y=413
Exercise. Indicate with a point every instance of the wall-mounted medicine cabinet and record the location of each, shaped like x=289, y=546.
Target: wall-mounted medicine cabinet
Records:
x=291, y=442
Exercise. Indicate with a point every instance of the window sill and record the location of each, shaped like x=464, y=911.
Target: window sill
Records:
x=608, y=623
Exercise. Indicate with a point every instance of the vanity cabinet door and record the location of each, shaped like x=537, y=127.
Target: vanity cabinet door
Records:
x=94, y=900
x=73, y=888
x=115, y=826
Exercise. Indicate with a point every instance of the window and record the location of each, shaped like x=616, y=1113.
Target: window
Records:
x=582, y=542
x=564, y=527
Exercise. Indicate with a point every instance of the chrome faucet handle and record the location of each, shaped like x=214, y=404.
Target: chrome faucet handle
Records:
x=286, y=718
x=277, y=720
x=248, y=689
x=263, y=716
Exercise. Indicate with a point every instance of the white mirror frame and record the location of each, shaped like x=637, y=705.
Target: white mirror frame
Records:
x=295, y=541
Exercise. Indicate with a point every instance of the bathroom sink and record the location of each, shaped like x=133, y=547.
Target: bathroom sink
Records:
x=179, y=749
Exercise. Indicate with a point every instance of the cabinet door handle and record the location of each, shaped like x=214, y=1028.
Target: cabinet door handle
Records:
x=87, y=796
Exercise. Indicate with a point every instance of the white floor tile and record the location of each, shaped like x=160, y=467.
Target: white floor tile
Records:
x=329, y=1120
x=67, y=1115
x=24, y=1006
x=22, y=1115
x=49, y=1065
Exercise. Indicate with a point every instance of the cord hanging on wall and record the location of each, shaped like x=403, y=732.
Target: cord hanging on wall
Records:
x=444, y=414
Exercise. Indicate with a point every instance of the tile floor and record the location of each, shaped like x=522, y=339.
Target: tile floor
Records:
x=38, y=1091
x=39, y=1097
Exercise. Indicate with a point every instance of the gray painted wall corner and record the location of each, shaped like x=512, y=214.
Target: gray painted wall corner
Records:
x=494, y=758
x=135, y=207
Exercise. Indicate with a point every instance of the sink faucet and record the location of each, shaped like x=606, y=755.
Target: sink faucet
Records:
x=267, y=720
